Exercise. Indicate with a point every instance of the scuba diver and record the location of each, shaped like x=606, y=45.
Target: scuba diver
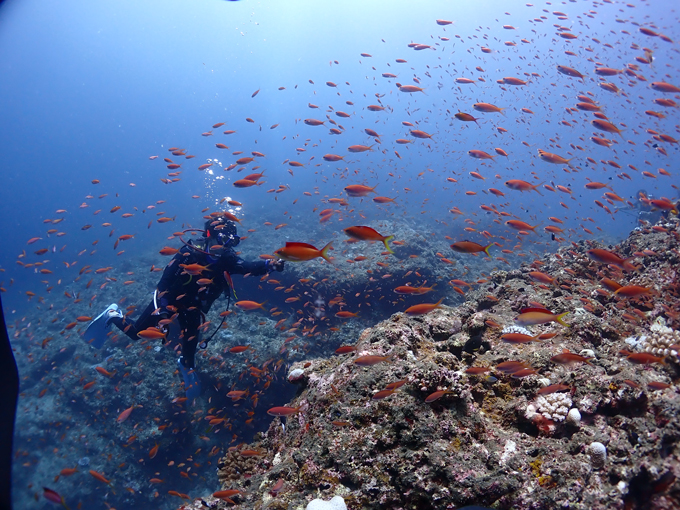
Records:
x=197, y=275
x=651, y=210
x=645, y=212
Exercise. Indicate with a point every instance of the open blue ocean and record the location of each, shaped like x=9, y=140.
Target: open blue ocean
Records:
x=510, y=127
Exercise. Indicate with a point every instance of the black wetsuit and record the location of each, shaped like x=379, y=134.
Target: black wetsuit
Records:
x=195, y=300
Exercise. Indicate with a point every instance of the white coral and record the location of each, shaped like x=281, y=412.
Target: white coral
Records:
x=574, y=417
x=554, y=406
x=657, y=342
x=598, y=454
x=516, y=329
x=296, y=375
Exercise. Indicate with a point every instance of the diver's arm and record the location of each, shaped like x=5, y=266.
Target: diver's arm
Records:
x=172, y=270
x=236, y=265
x=256, y=268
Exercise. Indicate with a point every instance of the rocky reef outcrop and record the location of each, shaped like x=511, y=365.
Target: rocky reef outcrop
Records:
x=588, y=418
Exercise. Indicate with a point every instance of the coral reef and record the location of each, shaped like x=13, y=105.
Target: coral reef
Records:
x=432, y=424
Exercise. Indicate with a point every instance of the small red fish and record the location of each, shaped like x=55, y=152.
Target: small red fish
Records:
x=607, y=257
x=567, y=358
x=642, y=358
x=423, y=308
x=520, y=338
x=510, y=367
x=283, y=411
x=125, y=414
x=345, y=349
x=370, y=360
x=553, y=388
x=54, y=497
x=382, y=394
x=437, y=395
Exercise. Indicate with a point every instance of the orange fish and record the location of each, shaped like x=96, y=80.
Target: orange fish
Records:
x=633, y=291
x=370, y=360
x=382, y=394
x=360, y=148
x=542, y=277
x=301, y=252
x=423, y=308
x=125, y=414
x=487, y=108
x=437, y=395
x=642, y=358
x=662, y=86
x=99, y=477
x=553, y=158
x=168, y=251
x=520, y=185
x=105, y=372
x=332, y=157
x=416, y=291
x=466, y=117
x=236, y=395
x=151, y=334
x=226, y=494
x=521, y=225
x=553, y=388
x=570, y=72
x=245, y=183
x=566, y=358
x=533, y=316
x=368, y=234
x=54, y=497
x=359, y=190
x=345, y=349
x=607, y=257
x=607, y=126
x=513, y=81
x=519, y=338
x=283, y=411
x=194, y=269
x=511, y=367
x=249, y=305
x=477, y=154
x=417, y=133
x=383, y=200
x=346, y=315
x=470, y=247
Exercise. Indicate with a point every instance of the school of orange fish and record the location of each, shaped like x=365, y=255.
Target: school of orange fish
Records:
x=362, y=152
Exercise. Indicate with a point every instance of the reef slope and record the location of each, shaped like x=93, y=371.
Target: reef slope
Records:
x=491, y=438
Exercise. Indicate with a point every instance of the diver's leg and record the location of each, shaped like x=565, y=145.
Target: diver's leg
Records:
x=190, y=322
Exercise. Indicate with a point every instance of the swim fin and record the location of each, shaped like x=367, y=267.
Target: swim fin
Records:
x=97, y=331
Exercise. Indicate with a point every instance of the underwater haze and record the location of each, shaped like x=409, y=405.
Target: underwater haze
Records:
x=566, y=132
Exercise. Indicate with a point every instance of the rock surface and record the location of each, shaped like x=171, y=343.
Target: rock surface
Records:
x=377, y=436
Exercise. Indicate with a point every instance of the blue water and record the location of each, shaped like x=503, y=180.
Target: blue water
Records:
x=90, y=91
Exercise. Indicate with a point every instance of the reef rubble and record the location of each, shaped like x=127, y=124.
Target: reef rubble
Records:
x=415, y=427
